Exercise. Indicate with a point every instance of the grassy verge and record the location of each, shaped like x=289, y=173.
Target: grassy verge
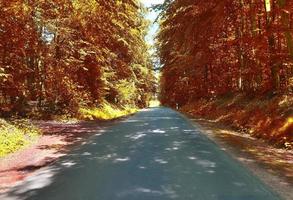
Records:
x=16, y=135
x=105, y=112
x=267, y=118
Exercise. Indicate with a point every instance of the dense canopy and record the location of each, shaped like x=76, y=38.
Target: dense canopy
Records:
x=72, y=53
x=211, y=48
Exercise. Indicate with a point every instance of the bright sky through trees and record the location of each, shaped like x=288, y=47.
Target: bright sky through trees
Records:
x=151, y=2
x=152, y=17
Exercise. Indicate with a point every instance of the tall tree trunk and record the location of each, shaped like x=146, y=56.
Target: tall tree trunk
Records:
x=285, y=16
x=286, y=23
x=239, y=36
x=274, y=66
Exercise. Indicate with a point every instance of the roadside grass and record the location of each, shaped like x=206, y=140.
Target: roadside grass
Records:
x=105, y=112
x=16, y=135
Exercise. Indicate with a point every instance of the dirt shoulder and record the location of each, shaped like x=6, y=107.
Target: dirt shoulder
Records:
x=273, y=166
x=57, y=139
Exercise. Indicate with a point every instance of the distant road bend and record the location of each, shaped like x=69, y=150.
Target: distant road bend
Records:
x=157, y=154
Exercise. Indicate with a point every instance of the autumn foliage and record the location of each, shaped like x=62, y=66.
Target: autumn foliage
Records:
x=211, y=50
x=58, y=56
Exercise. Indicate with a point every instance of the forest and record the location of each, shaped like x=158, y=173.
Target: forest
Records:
x=230, y=60
x=58, y=57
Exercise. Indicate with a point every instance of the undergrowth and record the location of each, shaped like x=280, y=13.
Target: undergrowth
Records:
x=16, y=135
x=267, y=118
x=105, y=112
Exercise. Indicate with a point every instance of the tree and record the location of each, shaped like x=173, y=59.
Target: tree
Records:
x=70, y=54
x=212, y=48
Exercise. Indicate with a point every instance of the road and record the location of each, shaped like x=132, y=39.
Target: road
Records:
x=156, y=154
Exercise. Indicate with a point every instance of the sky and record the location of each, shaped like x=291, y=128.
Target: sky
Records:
x=151, y=2
x=152, y=16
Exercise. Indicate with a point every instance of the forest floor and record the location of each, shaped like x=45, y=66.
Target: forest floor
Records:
x=269, y=118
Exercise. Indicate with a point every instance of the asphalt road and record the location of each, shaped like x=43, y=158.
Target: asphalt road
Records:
x=156, y=154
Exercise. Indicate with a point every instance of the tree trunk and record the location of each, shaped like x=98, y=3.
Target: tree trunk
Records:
x=274, y=66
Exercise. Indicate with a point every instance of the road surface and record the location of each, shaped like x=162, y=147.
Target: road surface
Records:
x=157, y=154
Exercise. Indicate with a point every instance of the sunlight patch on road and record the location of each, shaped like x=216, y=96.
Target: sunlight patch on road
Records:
x=121, y=159
x=146, y=190
x=68, y=164
x=107, y=157
x=136, y=136
x=211, y=171
x=206, y=163
x=177, y=145
x=174, y=128
x=161, y=161
x=102, y=131
x=192, y=158
x=158, y=131
x=86, y=154
x=188, y=131
x=131, y=121
x=39, y=180
x=172, y=149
